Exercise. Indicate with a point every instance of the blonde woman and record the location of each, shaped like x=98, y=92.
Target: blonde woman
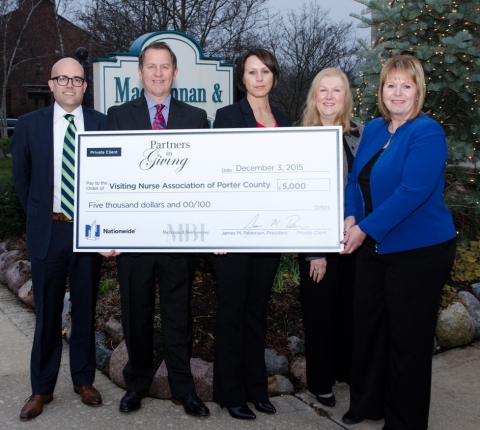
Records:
x=327, y=280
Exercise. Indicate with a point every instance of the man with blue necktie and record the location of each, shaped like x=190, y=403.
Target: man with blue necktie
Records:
x=43, y=156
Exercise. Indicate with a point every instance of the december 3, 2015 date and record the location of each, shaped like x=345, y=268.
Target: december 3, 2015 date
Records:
x=289, y=167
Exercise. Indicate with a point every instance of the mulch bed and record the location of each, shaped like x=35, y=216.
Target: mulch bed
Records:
x=284, y=312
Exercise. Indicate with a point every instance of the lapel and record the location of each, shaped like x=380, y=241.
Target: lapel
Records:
x=175, y=117
x=140, y=114
x=368, y=149
x=352, y=141
x=281, y=117
x=249, y=117
x=247, y=112
x=88, y=120
x=46, y=139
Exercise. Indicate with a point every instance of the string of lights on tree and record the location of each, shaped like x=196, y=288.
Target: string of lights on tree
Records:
x=445, y=36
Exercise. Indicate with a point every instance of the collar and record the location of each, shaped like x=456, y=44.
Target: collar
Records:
x=151, y=103
x=59, y=112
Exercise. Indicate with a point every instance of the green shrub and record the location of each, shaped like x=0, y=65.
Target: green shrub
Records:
x=466, y=268
x=449, y=296
x=12, y=216
x=5, y=166
x=5, y=144
x=467, y=262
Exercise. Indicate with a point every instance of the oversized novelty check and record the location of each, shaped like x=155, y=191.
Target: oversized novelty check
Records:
x=255, y=190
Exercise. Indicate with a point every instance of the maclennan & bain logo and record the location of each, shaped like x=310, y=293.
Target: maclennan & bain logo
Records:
x=92, y=231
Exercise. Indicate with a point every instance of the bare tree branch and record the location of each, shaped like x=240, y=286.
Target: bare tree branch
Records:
x=222, y=27
x=10, y=47
x=304, y=43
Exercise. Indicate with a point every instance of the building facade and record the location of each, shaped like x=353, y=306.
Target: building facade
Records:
x=43, y=37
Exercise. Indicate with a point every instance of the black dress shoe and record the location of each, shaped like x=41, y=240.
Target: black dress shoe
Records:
x=265, y=407
x=131, y=401
x=192, y=405
x=351, y=418
x=326, y=401
x=241, y=412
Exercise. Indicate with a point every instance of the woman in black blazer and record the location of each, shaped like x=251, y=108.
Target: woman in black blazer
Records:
x=245, y=279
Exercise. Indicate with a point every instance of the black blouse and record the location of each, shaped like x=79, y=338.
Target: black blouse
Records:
x=364, y=181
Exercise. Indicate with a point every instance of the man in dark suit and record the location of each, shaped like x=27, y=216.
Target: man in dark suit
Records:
x=43, y=152
x=138, y=273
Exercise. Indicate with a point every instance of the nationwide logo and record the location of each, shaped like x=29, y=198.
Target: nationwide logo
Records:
x=116, y=231
x=92, y=231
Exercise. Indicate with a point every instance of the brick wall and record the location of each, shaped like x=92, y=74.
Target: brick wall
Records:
x=40, y=49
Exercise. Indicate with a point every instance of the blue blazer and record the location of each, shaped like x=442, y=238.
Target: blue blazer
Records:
x=406, y=184
x=32, y=169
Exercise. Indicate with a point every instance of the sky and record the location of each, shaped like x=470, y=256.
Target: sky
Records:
x=339, y=10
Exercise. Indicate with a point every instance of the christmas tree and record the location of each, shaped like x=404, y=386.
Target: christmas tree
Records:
x=445, y=36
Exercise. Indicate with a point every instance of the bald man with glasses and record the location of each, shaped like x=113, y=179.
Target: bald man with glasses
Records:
x=43, y=160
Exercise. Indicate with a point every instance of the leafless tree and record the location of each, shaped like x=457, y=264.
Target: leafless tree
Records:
x=62, y=7
x=12, y=32
x=304, y=43
x=222, y=27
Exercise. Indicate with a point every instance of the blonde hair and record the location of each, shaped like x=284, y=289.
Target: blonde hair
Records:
x=411, y=68
x=311, y=116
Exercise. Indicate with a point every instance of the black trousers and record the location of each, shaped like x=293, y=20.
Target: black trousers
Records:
x=138, y=275
x=327, y=310
x=49, y=278
x=395, y=312
x=244, y=286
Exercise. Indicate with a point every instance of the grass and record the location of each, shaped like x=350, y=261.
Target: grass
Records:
x=5, y=166
x=288, y=269
x=106, y=286
x=158, y=321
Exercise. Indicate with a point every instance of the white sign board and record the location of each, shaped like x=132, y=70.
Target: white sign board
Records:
x=202, y=81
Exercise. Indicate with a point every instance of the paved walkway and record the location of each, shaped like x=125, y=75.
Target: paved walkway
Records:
x=455, y=396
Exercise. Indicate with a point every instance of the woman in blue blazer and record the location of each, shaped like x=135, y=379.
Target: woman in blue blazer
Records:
x=395, y=212
x=245, y=279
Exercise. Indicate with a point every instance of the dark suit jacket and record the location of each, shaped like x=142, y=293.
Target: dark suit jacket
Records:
x=240, y=115
x=32, y=168
x=134, y=116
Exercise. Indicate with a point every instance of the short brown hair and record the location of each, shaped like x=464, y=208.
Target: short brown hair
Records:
x=410, y=67
x=311, y=116
x=157, y=45
x=266, y=57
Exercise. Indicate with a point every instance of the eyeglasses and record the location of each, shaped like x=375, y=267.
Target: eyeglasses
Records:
x=63, y=81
